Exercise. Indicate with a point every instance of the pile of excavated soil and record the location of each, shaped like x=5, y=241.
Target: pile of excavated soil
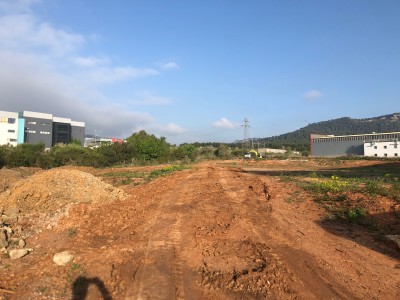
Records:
x=50, y=190
x=8, y=177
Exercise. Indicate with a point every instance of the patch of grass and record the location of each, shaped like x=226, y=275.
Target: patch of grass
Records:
x=332, y=185
x=126, y=178
x=75, y=266
x=75, y=271
x=332, y=194
x=127, y=174
x=285, y=178
x=42, y=289
x=375, y=187
x=125, y=181
x=165, y=171
x=6, y=266
x=355, y=214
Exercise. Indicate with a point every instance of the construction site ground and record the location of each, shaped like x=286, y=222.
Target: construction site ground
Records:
x=216, y=230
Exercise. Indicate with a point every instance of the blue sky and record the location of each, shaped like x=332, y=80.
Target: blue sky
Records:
x=193, y=70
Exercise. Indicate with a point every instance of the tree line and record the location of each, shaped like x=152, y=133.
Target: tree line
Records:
x=140, y=148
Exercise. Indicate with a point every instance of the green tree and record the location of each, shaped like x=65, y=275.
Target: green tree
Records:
x=24, y=155
x=223, y=151
x=148, y=147
x=70, y=154
x=4, y=150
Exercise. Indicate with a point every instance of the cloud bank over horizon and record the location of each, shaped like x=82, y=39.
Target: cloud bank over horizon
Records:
x=46, y=69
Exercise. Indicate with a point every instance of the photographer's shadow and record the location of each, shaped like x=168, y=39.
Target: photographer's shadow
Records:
x=81, y=285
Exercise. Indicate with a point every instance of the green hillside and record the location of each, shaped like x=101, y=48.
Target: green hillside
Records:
x=299, y=139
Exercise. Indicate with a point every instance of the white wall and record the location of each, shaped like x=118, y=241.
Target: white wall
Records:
x=8, y=128
x=382, y=149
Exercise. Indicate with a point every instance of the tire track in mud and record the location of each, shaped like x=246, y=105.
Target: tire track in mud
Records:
x=160, y=271
x=210, y=237
x=299, y=267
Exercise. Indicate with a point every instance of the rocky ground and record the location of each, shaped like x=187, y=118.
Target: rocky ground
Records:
x=219, y=230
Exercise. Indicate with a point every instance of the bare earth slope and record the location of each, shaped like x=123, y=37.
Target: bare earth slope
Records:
x=211, y=232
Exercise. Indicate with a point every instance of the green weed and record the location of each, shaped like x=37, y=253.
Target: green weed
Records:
x=332, y=185
x=72, y=232
x=75, y=266
x=166, y=170
x=355, y=214
x=42, y=289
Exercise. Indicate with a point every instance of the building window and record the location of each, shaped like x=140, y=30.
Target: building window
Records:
x=11, y=120
x=385, y=154
x=395, y=146
x=375, y=147
x=395, y=154
x=13, y=140
x=11, y=130
x=31, y=122
x=375, y=154
x=31, y=131
x=44, y=132
x=384, y=147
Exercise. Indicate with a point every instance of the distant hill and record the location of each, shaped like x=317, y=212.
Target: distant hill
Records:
x=299, y=139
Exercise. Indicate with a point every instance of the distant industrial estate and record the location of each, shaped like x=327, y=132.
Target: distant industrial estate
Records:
x=371, y=144
x=36, y=127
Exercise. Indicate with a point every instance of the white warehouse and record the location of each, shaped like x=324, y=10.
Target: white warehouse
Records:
x=8, y=128
x=388, y=148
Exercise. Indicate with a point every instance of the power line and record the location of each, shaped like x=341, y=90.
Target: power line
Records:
x=246, y=135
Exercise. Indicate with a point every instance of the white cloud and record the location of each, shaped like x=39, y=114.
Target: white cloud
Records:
x=47, y=91
x=90, y=61
x=170, y=66
x=24, y=32
x=113, y=74
x=148, y=98
x=43, y=70
x=17, y=5
x=313, y=95
x=224, y=123
x=170, y=129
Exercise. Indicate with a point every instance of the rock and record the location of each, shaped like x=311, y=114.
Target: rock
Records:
x=3, y=239
x=21, y=243
x=18, y=253
x=62, y=258
x=10, y=215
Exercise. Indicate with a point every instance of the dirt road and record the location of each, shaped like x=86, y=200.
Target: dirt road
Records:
x=211, y=232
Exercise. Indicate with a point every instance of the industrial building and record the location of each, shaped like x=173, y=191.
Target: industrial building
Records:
x=35, y=127
x=373, y=144
x=8, y=128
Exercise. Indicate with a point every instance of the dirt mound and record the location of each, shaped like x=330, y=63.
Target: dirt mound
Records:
x=10, y=176
x=7, y=178
x=47, y=191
